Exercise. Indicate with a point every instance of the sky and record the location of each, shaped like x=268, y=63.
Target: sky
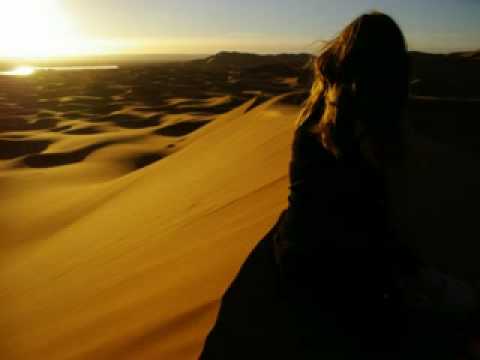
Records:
x=48, y=28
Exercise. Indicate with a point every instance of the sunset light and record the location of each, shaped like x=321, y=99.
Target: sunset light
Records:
x=20, y=71
x=46, y=29
x=41, y=28
x=231, y=180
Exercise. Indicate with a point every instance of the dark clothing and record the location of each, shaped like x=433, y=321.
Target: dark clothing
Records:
x=337, y=220
x=335, y=244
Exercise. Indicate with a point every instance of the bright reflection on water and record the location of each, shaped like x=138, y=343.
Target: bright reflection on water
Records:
x=29, y=70
x=19, y=71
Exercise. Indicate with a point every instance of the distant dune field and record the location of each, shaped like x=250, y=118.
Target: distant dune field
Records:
x=131, y=197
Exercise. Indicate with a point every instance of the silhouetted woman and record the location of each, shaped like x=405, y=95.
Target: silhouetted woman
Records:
x=355, y=291
x=335, y=238
x=336, y=243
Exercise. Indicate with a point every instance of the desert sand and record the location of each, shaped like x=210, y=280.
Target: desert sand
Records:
x=131, y=198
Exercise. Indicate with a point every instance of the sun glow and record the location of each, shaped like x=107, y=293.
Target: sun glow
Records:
x=20, y=71
x=41, y=28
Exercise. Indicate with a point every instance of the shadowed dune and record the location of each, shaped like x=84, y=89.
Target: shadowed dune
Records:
x=446, y=75
x=195, y=107
x=148, y=109
x=130, y=121
x=14, y=136
x=82, y=131
x=10, y=149
x=61, y=128
x=73, y=110
x=146, y=159
x=21, y=124
x=438, y=194
x=258, y=101
x=181, y=128
x=254, y=301
x=75, y=115
x=447, y=121
x=296, y=99
x=59, y=159
x=199, y=105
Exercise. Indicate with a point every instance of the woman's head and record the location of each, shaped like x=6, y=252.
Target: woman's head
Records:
x=360, y=88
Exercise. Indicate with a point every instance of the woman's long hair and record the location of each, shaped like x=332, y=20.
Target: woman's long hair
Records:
x=360, y=88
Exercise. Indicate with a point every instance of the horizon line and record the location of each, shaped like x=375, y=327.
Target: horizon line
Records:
x=198, y=54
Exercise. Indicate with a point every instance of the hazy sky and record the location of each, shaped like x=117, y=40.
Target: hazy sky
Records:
x=205, y=26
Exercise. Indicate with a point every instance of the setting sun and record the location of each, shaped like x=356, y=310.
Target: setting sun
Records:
x=20, y=71
x=40, y=28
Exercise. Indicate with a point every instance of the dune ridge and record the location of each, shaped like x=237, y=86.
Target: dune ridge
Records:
x=109, y=272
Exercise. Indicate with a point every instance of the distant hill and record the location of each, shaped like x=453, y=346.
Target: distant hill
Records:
x=446, y=75
x=442, y=75
x=237, y=60
x=473, y=55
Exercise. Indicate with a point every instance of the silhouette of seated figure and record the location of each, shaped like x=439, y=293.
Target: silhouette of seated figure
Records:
x=332, y=279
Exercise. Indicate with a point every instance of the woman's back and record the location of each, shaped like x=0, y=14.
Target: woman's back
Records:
x=334, y=241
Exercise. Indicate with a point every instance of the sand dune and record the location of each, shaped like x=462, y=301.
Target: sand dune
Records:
x=130, y=200
x=135, y=267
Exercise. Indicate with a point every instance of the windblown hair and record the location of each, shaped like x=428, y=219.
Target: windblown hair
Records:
x=360, y=87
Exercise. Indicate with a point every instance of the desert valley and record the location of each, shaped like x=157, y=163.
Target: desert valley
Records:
x=132, y=196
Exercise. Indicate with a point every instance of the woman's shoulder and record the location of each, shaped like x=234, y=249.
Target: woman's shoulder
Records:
x=307, y=148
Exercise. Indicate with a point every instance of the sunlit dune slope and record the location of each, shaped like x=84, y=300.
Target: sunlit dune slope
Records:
x=125, y=215
x=135, y=267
